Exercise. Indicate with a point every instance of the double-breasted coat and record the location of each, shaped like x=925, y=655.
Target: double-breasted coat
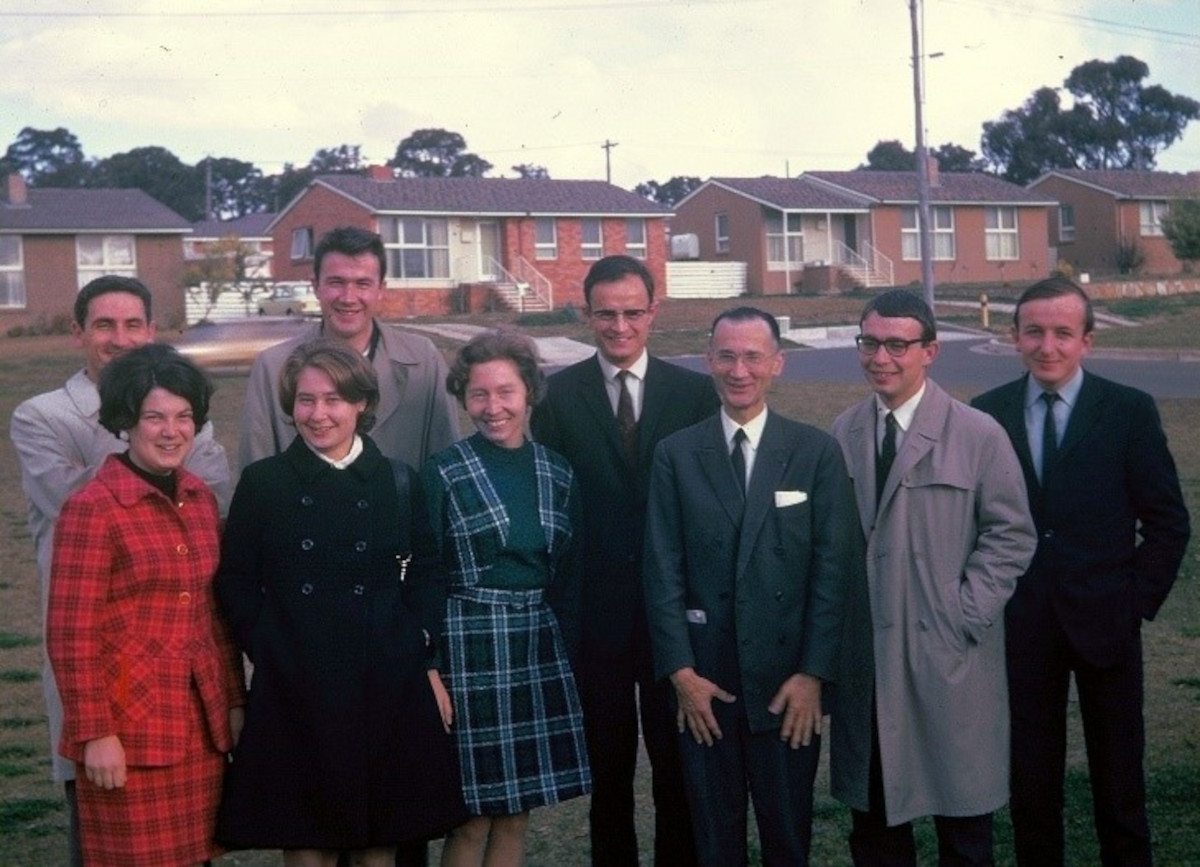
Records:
x=944, y=550
x=343, y=746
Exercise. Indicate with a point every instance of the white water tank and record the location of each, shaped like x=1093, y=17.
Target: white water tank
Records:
x=685, y=246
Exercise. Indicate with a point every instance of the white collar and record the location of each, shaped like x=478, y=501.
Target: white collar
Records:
x=903, y=414
x=638, y=368
x=753, y=428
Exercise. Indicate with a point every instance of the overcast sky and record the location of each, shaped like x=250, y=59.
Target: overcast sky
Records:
x=723, y=87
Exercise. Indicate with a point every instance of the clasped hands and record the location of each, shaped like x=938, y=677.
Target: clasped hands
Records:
x=798, y=699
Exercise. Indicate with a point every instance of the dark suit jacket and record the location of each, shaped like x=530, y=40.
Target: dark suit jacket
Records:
x=576, y=420
x=1116, y=482
x=748, y=600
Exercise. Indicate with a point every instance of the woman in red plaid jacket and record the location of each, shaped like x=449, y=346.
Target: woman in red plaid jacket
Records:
x=151, y=684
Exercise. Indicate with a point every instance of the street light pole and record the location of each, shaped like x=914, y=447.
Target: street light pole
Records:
x=924, y=227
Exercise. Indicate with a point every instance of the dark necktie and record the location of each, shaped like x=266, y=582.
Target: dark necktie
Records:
x=1049, y=436
x=887, y=454
x=738, y=458
x=626, y=420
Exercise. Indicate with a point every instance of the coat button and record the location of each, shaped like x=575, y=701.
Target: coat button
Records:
x=181, y=549
x=778, y=595
x=359, y=590
x=922, y=625
x=306, y=544
x=306, y=589
x=363, y=504
x=360, y=546
x=306, y=500
x=185, y=598
x=1049, y=534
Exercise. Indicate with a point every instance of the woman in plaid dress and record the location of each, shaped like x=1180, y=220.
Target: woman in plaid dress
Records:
x=150, y=681
x=503, y=509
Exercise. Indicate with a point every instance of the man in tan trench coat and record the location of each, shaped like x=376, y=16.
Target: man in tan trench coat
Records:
x=942, y=502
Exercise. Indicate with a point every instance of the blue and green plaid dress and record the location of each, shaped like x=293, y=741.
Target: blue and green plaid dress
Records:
x=510, y=617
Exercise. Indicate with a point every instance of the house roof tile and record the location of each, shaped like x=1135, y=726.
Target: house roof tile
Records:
x=492, y=196
x=90, y=210
x=795, y=194
x=956, y=187
x=249, y=226
x=1133, y=184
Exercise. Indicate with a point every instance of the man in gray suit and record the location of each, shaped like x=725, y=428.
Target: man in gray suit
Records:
x=415, y=418
x=60, y=445
x=941, y=500
x=751, y=540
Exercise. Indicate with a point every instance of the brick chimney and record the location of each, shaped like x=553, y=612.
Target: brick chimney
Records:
x=380, y=173
x=932, y=162
x=15, y=191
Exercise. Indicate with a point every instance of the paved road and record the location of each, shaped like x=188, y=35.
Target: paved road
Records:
x=970, y=362
x=977, y=365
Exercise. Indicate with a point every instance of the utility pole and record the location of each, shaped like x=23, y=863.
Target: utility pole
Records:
x=608, y=146
x=208, y=208
x=924, y=232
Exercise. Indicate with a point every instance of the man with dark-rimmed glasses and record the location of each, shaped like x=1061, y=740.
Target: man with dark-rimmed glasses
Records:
x=941, y=498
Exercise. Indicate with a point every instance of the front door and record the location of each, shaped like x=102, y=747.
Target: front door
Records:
x=489, y=250
x=850, y=230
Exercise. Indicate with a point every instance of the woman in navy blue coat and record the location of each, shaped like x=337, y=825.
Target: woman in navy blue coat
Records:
x=330, y=580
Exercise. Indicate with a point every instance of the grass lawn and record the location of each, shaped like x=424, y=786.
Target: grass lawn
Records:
x=31, y=812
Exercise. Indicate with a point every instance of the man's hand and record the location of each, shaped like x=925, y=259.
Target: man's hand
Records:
x=799, y=700
x=695, y=695
x=104, y=762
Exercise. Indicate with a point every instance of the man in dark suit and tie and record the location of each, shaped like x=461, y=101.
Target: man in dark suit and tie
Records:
x=605, y=415
x=1112, y=530
x=752, y=538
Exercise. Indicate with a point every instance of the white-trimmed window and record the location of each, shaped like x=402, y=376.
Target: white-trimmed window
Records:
x=635, y=237
x=302, y=243
x=97, y=255
x=591, y=238
x=941, y=235
x=1066, y=223
x=785, y=247
x=417, y=248
x=721, y=227
x=545, y=238
x=12, y=271
x=1000, y=234
x=1152, y=214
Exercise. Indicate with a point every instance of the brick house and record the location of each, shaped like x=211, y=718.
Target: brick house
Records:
x=249, y=232
x=825, y=230
x=467, y=244
x=1101, y=212
x=53, y=241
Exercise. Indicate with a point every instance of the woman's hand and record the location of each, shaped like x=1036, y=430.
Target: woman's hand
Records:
x=104, y=762
x=445, y=706
x=237, y=721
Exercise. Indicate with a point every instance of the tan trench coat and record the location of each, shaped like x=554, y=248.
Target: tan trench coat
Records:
x=952, y=535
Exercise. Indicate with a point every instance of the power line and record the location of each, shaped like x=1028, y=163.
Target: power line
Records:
x=1157, y=34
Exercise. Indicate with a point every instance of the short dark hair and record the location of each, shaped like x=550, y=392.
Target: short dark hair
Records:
x=127, y=379
x=611, y=269
x=903, y=304
x=746, y=314
x=350, y=241
x=353, y=378
x=1057, y=287
x=502, y=344
x=103, y=286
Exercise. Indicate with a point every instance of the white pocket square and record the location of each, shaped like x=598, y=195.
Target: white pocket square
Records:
x=789, y=498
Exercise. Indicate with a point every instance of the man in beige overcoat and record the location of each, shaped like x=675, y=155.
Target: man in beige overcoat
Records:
x=942, y=502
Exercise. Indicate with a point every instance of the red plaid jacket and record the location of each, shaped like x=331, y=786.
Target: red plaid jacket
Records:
x=132, y=621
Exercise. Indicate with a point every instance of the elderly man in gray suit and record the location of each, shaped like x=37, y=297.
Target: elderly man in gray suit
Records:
x=941, y=500
x=751, y=543
x=60, y=445
x=415, y=418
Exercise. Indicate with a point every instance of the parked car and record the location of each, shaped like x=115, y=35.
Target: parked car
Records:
x=290, y=300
